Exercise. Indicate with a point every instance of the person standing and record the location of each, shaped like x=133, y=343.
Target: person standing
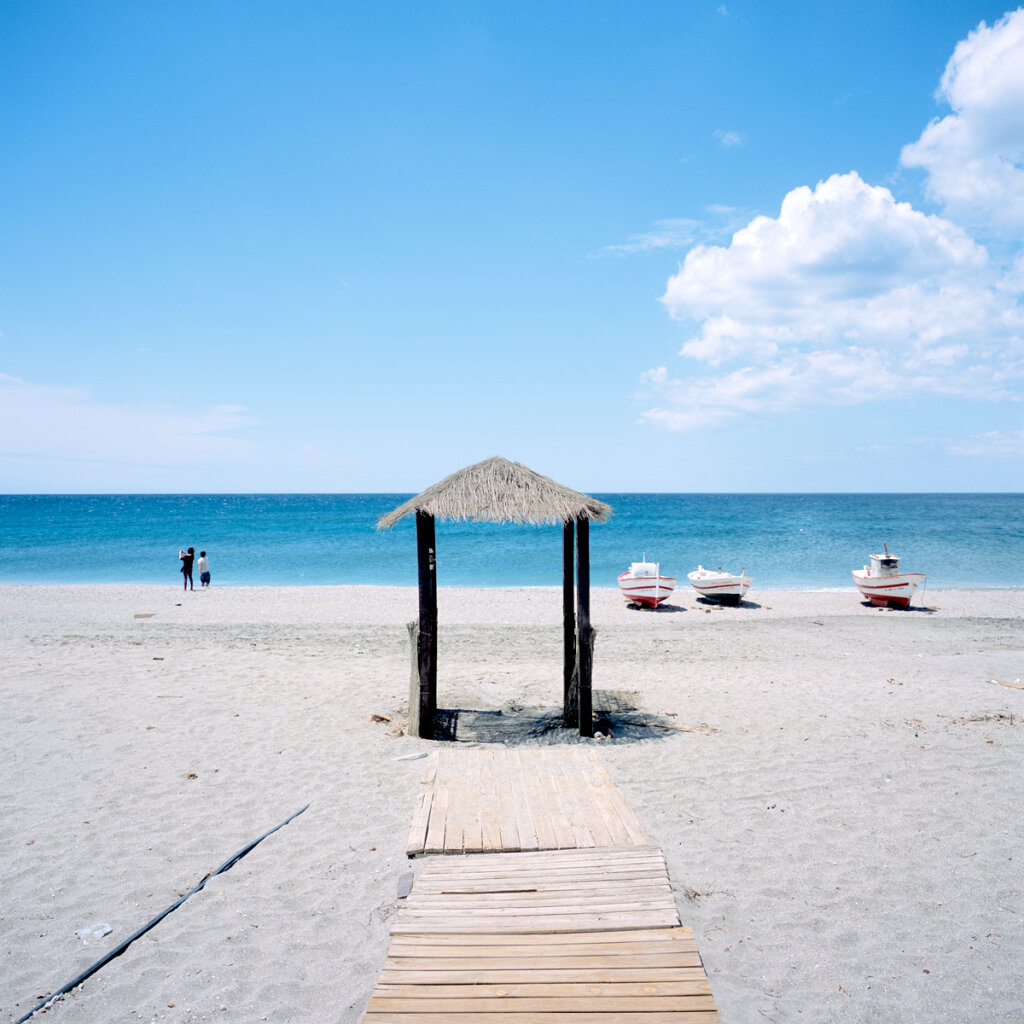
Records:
x=203, y=565
x=187, y=558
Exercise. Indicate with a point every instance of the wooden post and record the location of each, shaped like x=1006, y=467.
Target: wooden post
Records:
x=584, y=634
x=426, y=646
x=412, y=727
x=570, y=706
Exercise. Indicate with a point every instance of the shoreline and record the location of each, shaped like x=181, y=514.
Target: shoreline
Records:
x=836, y=788
x=366, y=604
x=594, y=588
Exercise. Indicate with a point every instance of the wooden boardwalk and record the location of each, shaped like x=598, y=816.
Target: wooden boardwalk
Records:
x=483, y=800
x=563, y=891
x=620, y=977
x=570, y=919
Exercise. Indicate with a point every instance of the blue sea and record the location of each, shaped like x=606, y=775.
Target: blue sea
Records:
x=784, y=541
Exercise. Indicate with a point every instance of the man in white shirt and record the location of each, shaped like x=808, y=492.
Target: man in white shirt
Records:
x=203, y=565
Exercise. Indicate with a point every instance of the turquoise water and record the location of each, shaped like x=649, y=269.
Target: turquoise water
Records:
x=785, y=541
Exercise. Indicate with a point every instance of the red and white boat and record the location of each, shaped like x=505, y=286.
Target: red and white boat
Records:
x=718, y=585
x=883, y=584
x=643, y=584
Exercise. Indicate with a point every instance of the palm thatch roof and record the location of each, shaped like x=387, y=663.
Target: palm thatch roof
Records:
x=499, y=491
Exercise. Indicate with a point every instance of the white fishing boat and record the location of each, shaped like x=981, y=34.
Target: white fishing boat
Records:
x=643, y=584
x=718, y=585
x=883, y=584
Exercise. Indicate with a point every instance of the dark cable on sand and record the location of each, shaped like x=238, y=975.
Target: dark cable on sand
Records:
x=114, y=953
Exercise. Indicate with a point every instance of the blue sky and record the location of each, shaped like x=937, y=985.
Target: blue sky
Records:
x=652, y=246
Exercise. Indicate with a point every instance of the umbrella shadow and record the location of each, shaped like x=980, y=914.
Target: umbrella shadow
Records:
x=616, y=717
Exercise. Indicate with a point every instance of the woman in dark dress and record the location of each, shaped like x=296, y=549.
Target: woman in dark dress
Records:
x=187, y=558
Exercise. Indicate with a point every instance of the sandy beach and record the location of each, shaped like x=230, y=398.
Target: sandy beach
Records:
x=837, y=790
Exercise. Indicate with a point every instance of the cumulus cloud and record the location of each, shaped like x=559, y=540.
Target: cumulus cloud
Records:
x=974, y=155
x=848, y=296
x=40, y=422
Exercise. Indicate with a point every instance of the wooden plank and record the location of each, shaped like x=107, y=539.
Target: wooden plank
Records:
x=434, y=842
x=652, y=1017
x=499, y=871
x=526, y=826
x=421, y=815
x=628, y=852
x=556, y=922
x=544, y=990
x=526, y=947
x=577, y=817
x=598, y=781
x=624, y=813
x=506, y=897
x=549, y=1004
x=546, y=837
x=656, y=936
x=536, y=880
x=491, y=803
x=563, y=905
x=588, y=802
x=621, y=962
x=508, y=831
x=471, y=772
x=495, y=971
x=561, y=809
x=583, y=975
x=460, y=782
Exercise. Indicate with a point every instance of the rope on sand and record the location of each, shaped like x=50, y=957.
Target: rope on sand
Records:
x=114, y=953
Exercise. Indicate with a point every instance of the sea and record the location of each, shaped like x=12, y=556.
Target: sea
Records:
x=784, y=541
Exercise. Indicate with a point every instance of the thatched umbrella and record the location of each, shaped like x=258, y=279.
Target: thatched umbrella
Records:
x=499, y=491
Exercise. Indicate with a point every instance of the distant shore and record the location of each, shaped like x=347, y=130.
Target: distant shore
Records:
x=836, y=788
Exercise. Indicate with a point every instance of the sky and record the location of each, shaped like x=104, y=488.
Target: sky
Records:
x=658, y=246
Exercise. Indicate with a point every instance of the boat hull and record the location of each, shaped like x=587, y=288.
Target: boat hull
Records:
x=720, y=587
x=888, y=591
x=647, y=591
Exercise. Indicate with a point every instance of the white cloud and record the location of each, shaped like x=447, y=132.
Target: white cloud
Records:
x=991, y=443
x=42, y=422
x=847, y=296
x=681, y=233
x=678, y=233
x=729, y=139
x=974, y=155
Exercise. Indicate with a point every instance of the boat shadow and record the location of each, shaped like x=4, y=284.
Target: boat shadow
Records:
x=707, y=602
x=663, y=608
x=923, y=609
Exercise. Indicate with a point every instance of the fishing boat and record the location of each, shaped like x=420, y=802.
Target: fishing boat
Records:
x=643, y=584
x=719, y=585
x=883, y=584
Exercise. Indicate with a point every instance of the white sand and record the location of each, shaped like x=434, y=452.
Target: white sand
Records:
x=845, y=836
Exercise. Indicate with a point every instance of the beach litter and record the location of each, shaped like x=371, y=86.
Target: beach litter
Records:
x=410, y=757
x=1018, y=685
x=94, y=931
